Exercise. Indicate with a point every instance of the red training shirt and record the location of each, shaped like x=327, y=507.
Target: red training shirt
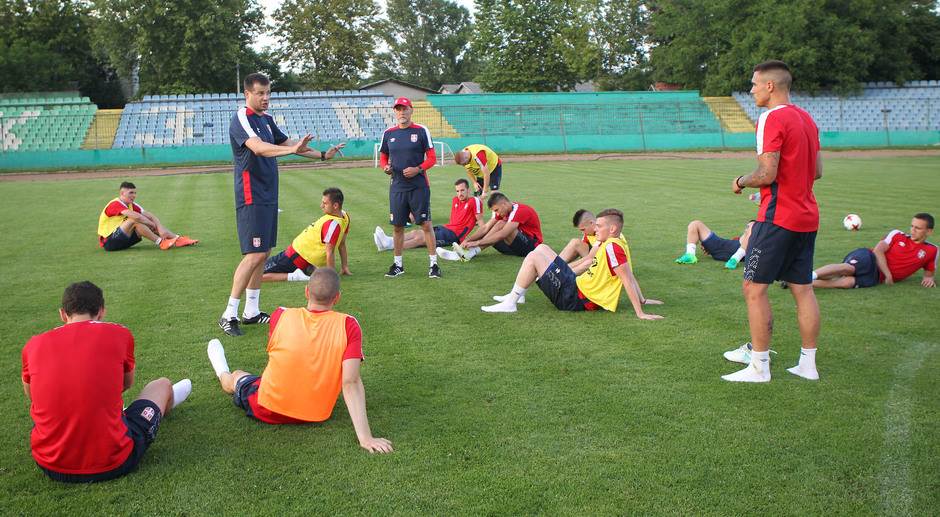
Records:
x=463, y=215
x=905, y=257
x=528, y=220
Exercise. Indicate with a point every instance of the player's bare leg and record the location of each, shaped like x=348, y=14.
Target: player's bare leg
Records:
x=831, y=271
x=398, y=239
x=247, y=279
x=130, y=227
x=842, y=282
x=229, y=380
x=574, y=249
x=533, y=266
x=165, y=394
x=430, y=243
x=807, y=312
x=696, y=232
x=760, y=317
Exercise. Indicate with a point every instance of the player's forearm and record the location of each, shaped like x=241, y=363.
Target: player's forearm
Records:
x=354, y=394
x=766, y=172
x=486, y=178
x=633, y=293
x=266, y=150
x=882, y=262
x=343, y=254
x=330, y=258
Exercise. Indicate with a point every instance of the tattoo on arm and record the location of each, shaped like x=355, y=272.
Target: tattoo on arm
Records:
x=766, y=170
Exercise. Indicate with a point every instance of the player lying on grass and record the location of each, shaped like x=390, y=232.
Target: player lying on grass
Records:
x=484, y=168
x=74, y=376
x=123, y=222
x=729, y=251
x=579, y=248
x=466, y=213
x=589, y=284
x=514, y=229
x=316, y=246
x=313, y=354
x=893, y=259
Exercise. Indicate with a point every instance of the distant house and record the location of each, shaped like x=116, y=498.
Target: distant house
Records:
x=396, y=88
x=465, y=87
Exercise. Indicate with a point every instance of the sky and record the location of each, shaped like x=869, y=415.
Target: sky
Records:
x=270, y=6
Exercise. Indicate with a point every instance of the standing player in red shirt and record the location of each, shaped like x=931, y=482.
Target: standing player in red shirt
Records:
x=783, y=238
x=893, y=259
x=74, y=376
x=514, y=229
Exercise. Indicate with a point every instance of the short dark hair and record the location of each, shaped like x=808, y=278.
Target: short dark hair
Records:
x=782, y=75
x=576, y=220
x=464, y=181
x=323, y=285
x=127, y=184
x=617, y=215
x=927, y=218
x=256, y=78
x=496, y=197
x=335, y=195
x=82, y=298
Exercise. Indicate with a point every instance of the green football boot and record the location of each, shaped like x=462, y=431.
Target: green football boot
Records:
x=732, y=263
x=687, y=258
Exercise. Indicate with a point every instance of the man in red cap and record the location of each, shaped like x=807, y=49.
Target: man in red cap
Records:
x=407, y=153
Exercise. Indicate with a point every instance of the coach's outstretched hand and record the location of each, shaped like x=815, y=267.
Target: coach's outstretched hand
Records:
x=333, y=150
x=301, y=146
x=374, y=445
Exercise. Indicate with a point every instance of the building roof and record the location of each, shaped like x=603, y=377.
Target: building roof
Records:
x=372, y=86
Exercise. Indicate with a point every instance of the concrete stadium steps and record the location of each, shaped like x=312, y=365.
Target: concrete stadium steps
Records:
x=102, y=129
x=428, y=116
x=730, y=114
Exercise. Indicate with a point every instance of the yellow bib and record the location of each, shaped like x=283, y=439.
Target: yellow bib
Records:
x=107, y=224
x=626, y=248
x=597, y=283
x=309, y=244
x=473, y=167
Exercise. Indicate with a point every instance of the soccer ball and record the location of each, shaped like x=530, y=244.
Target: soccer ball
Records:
x=852, y=222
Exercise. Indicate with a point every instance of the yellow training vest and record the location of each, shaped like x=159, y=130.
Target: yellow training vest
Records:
x=597, y=283
x=309, y=244
x=107, y=224
x=626, y=247
x=473, y=167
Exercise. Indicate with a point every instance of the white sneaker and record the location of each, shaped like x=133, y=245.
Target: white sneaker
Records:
x=499, y=307
x=447, y=254
x=742, y=354
x=377, y=238
x=806, y=374
x=749, y=374
x=458, y=249
x=500, y=298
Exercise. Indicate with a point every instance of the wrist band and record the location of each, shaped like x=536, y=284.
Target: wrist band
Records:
x=738, y=182
x=322, y=156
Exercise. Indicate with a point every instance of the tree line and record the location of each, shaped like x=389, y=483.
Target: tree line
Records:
x=193, y=46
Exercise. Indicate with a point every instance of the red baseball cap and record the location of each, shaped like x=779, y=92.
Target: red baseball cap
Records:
x=402, y=101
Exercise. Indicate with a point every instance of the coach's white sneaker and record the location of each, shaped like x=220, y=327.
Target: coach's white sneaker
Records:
x=505, y=306
x=500, y=298
x=806, y=373
x=749, y=374
x=447, y=254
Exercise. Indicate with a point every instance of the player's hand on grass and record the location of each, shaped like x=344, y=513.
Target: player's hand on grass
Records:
x=650, y=301
x=345, y=271
x=928, y=281
x=411, y=172
x=301, y=146
x=889, y=280
x=645, y=316
x=331, y=152
x=374, y=445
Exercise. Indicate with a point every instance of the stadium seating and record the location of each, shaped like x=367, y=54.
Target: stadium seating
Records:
x=880, y=106
x=44, y=121
x=203, y=119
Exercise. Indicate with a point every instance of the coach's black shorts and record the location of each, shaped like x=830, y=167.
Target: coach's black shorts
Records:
x=142, y=419
x=445, y=236
x=118, y=240
x=866, y=269
x=521, y=246
x=560, y=285
x=415, y=202
x=496, y=177
x=287, y=261
x=775, y=253
x=257, y=227
x=720, y=249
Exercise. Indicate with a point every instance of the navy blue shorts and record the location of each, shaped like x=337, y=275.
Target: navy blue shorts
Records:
x=560, y=285
x=118, y=240
x=521, y=246
x=866, y=268
x=287, y=261
x=720, y=249
x=775, y=253
x=415, y=202
x=257, y=227
x=496, y=176
x=142, y=419
x=445, y=236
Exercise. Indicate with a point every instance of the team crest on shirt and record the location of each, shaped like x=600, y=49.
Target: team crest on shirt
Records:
x=147, y=413
x=921, y=254
x=414, y=137
x=256, y=242
x=902, y=244
x=392, y=139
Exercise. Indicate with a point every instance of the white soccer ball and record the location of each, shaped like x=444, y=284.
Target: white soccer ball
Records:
x=852, y=222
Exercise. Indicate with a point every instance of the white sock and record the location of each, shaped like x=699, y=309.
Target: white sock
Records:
x=217, y=357
x=181, y=390
x=158, y=241
x=472, y=252
x=398, y=261
x=297, y=275
x=516, y=293
x=761, y=360
x=252, y=298
x=433, y=259
x=690, y=249
x=808, y=359
x=815, y=276
x=232, y=310
x=738, y=255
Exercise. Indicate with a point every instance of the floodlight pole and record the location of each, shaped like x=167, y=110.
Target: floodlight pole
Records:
x=884, y=116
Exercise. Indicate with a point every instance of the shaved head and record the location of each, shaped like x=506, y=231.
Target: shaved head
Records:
x=323, y=285
x=776, y=72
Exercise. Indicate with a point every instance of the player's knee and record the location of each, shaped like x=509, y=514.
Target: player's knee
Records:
x=162, y=384
x=695, y=224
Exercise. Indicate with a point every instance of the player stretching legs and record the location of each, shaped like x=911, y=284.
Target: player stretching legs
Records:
x=730, y=251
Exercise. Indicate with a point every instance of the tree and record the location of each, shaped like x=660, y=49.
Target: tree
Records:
x=620, y=30
x=428, y=43
x=330, y=42
x=178, y=46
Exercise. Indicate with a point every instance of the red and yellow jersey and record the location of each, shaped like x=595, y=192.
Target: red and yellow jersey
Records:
x=311, y=243
x=306, y=351
x=480, y=155
x=600, y=283
x=112, y=216
x=591, y=239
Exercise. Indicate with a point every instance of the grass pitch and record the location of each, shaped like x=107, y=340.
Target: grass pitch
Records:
x=538, y=412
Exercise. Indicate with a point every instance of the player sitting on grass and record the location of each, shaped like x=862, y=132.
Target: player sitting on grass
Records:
x=123, y=222
x=484, y=168
x=315, y=246
x=74, y=376
x=893, y=259
x=730, y=251
x=313, y=354
x=578, y=248
x=466, y=212
x=514, y=229
x=589, y=284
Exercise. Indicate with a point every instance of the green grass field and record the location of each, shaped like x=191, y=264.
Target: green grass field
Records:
x=540, y=412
